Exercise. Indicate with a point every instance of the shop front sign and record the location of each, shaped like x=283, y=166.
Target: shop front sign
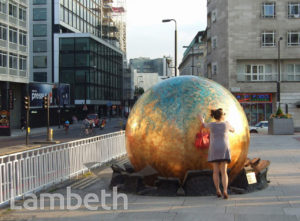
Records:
x=254, y=98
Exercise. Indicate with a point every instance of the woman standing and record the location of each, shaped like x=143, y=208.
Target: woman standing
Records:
x=219, y=150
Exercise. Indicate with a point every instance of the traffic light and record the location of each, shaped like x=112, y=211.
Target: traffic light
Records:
x=26, y=103
x=45, y=102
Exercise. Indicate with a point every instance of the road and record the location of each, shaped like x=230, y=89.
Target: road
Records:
x=59, y=134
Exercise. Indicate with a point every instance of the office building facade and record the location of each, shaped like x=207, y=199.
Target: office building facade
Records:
x=67, y=48
x=14, y=74
x=194, y=57
x=243, y=41
x=147, y=65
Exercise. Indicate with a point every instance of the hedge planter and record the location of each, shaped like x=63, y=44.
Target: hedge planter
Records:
x=281, y=126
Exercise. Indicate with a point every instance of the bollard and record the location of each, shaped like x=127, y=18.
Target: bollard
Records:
x=50, y=135
x=121, y=124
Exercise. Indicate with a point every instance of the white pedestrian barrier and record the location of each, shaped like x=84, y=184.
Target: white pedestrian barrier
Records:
x=32, y=170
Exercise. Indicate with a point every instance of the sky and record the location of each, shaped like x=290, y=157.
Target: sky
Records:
x=147, y=36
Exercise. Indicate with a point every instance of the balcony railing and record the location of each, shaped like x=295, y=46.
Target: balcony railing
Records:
x=246, y=77
x=291, y=77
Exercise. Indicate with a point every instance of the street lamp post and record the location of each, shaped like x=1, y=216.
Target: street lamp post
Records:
x=192, y=58
x=278, y=77
x=168, y=20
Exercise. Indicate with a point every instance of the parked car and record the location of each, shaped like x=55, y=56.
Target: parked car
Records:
x=93, y=118
x=260, y=127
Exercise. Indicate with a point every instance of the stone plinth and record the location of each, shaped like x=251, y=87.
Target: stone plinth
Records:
x=281, y=126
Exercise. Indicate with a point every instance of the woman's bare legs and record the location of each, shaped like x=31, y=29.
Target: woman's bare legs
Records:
x=216, y=175
x=223, y=170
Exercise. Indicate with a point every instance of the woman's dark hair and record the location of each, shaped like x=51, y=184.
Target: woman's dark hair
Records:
x=217, y=114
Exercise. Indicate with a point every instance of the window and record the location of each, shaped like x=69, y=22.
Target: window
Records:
x=268, y=38
x=3, y=59
x=293, y=72
x=12, y=10
x=61, y=14
x=209, y=20
x=22, y=37
x=40, y=76
x=39, y=30
x=13, y=35
x=214, y=68
x=214, y=42
x=3, y=31
x=39, y=2
x=214, y=16
x=82, y=44
x=39, y=14
x=22, y=14
x=67, y=44
x=13, y=61
x=39, y=61
x=23, y=63
x=293, y=38
x=294, y=10
x=39, y=46
x=209, y=71
x=257, y=72
x=82, y=59
x=268, y=10
x=2, y=7
x=209, y=46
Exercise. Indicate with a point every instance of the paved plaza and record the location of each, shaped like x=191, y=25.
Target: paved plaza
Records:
x=279, y=202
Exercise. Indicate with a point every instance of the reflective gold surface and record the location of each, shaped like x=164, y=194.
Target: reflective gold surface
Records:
x=162, y=125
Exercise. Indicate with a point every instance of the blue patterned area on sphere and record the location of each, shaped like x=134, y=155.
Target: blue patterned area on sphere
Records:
x=178, y=97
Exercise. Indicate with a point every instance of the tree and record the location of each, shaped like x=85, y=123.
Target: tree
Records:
x=138, y=91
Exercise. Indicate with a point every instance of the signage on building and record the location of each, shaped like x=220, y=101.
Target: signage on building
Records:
x=254, y=97
x=11, y=99
x=235, y=89
x=4, y=119
x=59, y=94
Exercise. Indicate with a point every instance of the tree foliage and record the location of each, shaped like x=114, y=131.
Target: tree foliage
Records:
x=138, y=91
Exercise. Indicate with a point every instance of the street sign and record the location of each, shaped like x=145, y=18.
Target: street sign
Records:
x=11, y=99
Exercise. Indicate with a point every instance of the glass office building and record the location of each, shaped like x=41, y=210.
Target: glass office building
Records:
x=66, y=47
x=83, y=15
x=93, y=69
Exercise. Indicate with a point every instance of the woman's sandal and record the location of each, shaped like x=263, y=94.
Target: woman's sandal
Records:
x=219, y=194
x=225, y=196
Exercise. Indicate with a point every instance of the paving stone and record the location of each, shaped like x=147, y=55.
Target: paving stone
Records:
x=251, y=217
x=257, y=210
x=292, y=211
x=203, y=217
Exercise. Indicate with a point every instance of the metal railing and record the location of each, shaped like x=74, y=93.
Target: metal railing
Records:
x=244, y=77
x=32, y=170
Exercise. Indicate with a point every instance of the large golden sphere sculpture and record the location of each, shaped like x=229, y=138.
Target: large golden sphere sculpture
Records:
x=163, y=124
